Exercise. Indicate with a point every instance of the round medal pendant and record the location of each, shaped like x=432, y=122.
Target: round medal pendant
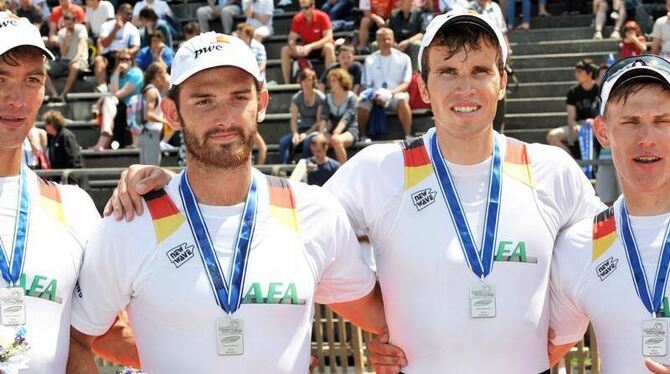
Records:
x=385, y=85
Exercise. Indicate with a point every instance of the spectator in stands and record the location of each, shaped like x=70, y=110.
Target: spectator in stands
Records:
x=150, y=25
x=160, y=7
x=97, y=13
x=579, y=106
x=525, y=13
x=34, y=149
x=3, y=6
x=63, y=150
x=262, y=148
x=375, y=15
x=26, y=9
x=115, y=35
x=600, y=8
x=73, y=47
x=345, y=60
x=56, y=19
x=408, y=27
x=339, y=113
x=337, y=9
x=259, y=16
x=314, y=29
x=156, y=84
x=191, y=29
x=125, y=82
x=633, y=43
x=246, y=32
x=320, y=167
x=306, y=116
x=156, y=51
x=13, y=5
x=493, y=13
x=386, y=77
x=225, y=9
x=648, y=11
x=660, y=36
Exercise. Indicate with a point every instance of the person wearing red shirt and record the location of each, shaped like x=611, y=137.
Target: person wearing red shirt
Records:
x=315, y=32
x=375, y=15
x=56, y=18
x=633, y=42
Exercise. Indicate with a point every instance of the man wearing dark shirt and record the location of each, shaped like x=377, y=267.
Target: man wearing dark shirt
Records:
x=408, y=27
x=62, y=148
x=579, y=107
x=320, y=167
x=27, y=10
x=345, y=60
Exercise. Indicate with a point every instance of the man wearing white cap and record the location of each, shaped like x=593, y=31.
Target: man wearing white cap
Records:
x=43, y=226
x=612, y=269
x=222, y=275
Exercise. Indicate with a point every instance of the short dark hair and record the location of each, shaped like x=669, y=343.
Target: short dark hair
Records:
x=624, y=91
x=192, y=27
x=124, y=8
x=148, y=13
x=588, y=66
x=12, y=56
x=458, y=37
x=173, y=92
x=157, y=35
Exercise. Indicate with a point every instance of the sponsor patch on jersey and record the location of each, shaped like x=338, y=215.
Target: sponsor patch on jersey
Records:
x=423, y=198
x=607, y=267
x=513, y=251
x=180, y=254
x=604, y=232
x=517, y=162
x=417, y=163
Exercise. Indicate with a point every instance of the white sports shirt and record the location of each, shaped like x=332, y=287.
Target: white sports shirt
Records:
x=392, y=196
x=171, y=306
x=591, y=280
x=61, y=218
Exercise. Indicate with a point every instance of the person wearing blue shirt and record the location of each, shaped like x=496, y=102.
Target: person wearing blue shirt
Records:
x=320, y=167
x=157, y=51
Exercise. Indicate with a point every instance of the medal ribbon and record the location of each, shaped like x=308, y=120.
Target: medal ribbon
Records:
x=480, y=262
x=20, y=238
x=637, y=268
x=228, y=295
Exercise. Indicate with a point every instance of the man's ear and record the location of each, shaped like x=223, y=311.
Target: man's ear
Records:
x=263, y=99
x=502, y=90
x=600, y=127
x=423, y=90
x=169, y=108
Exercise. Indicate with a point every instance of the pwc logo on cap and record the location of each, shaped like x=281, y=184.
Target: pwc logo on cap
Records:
x=216, y=46
x=9, y=19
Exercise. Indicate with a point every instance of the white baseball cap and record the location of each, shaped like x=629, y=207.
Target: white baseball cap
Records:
x=461, y=16
x=16, y=32
x=210, y=50
x=649, y=67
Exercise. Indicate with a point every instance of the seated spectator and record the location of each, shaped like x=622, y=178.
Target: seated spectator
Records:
x=56, y=18
x=262, y=148
x=13, y=5
x=26, y=9
x=345, y=60
x=375, y=15
x=125, y=82
x=600, y=10
x=150, y=25
x=63, y=150
x=259, y=16
x=660, y=36
x=97, y=13
x=525, y=13
x=306, y=117
x=313, y=27
x=407, y=24
x=73, y=46
x=225, y=9
x=246, y=32
x=337, y=9
x=579, y=106
x=633, y=43
x=320, y=167
x=160, y=7
x=115, y=35
x=449, y=5
x=156, y=84
x=156, y=51
x=493, y=13
x=34, y=149
x=648, y=11
x=386, y=78
x=339, y=113
x=191, y=29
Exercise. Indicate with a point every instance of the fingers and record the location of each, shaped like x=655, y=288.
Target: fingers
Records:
x=313, y=363
x=385, y=358
x=126, y=203
x=655, y=367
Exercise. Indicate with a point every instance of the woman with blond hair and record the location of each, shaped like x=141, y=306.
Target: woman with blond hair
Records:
x=339, y=113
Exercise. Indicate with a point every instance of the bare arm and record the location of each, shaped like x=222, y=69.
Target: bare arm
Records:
x=572, y=116
x=116, y=345
x=327, y=37
x=262, y=149
x=150, y=97
x=366, y=312
x=294, y=119
x=556, y=353
x=402, y=87
x=655, y=45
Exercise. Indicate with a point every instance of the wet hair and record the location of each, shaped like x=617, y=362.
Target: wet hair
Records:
x=13, y=56
x=461, y=36
x=624, y=91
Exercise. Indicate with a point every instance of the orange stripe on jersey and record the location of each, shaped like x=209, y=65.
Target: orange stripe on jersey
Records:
x=282, y=202
x=417, y=163
x=166, y=217
x=50, y=200
x=604, y=232
x=517, y=162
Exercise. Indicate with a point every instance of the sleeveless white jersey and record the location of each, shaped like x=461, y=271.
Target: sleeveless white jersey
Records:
x=303, y=251
x=392, y=195
x=591, y=280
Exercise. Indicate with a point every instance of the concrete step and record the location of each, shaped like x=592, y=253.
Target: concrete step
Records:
x=528, y=135
x=121, y=158
x=566, y=46
x=568, y=33
x=556, y=60
x=545, y=74
x=541, y=89
x=521, y=121
x=558, y=21
x=535, y=105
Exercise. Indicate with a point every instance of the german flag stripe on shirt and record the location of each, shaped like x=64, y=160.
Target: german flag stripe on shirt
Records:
x=517, y=163
x=166, y=217
x=50, y=200
x=282, y=202
x=604, y=232
x=417, y=163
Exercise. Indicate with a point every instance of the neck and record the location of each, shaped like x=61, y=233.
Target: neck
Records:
x=385, y=51
x=320, y=159
x=339, y=92
x=216, y=186
x=479, y=146
x=646, y=203
x=588, y=85
x=10, y=162
x=308, y=92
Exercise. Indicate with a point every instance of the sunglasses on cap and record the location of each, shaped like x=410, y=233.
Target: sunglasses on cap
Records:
x=621, y=66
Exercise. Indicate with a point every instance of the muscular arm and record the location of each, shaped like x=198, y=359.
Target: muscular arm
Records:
x=572, y=115
x=327, y=37
x=556, y=353
x=655, y=46
x=366, y=312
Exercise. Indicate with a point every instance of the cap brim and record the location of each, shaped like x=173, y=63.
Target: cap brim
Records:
x=45, y=51
x=639, y=73
x=471, y=20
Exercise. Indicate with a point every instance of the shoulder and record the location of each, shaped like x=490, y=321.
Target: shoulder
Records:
x=299, y=18
x=575, y=243
x=321, y=16
x=320, y=95
x=297, y=96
